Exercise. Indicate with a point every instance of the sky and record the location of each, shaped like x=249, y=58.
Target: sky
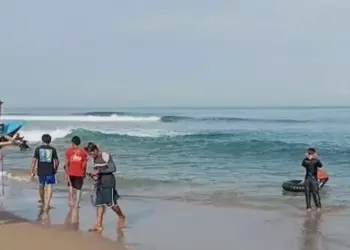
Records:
x=174, y=53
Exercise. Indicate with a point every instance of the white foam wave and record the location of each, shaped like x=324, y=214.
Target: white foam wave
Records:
x=35, y=135
x=152, y=133
x=112, y=118
x=15, y=177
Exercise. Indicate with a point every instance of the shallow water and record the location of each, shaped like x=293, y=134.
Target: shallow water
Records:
x=157, y=225
x=218, y=156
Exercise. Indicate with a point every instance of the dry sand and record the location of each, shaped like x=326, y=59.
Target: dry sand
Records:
x=17, y=233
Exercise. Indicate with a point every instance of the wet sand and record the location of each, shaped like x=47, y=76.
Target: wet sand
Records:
x=17, y=233
x=172, y=225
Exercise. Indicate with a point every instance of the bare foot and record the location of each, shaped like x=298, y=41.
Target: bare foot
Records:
x=96, y=228
x=309, y=210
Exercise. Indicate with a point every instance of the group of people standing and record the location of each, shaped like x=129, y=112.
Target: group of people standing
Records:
x=45, y=164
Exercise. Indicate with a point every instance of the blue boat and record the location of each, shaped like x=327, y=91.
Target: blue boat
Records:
x=10, y=128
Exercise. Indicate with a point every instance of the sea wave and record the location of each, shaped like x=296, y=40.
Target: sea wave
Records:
x=136, y=117
x=60, y=133
x=169, y=118
x=89, y=118
x=217, y=142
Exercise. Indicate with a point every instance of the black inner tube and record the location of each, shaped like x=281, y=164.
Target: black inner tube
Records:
x=298, y=185
x=293, y=186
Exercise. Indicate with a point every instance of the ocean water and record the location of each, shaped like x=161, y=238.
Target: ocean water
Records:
x=220, y=156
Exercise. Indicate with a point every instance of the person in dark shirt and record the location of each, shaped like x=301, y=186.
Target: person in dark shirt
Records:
x=311, y=164
x=45, y=160
x=24, y=146
x=106, y=193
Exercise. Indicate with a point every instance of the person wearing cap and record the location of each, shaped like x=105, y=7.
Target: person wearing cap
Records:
x=106, y=194
x=311, y=164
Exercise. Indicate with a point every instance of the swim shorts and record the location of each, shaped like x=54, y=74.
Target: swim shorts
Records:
x=47, y=179
x=77, y=182
x=106, y=197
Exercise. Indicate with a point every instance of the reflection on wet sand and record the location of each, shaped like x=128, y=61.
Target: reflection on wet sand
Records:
x=44, y=217
x=121, y=243
x=310, y=232
x=72, y=218
x=120, y=239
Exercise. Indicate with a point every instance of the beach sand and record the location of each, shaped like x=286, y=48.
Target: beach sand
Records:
x=17, y=233
x=171, y=225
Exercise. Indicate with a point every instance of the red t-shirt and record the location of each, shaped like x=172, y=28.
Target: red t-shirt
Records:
x=77, y=160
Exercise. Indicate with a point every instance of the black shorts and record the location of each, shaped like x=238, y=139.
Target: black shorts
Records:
x=106, y=197
x=77, y=182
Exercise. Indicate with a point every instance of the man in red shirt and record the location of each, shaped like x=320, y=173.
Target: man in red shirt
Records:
x=76, y=162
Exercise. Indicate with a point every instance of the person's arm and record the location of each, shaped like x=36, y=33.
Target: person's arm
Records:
x=319, y=163
x=56, y=162
x=11, y=140
x=34, y=161
x=303, y=163
x=85, y=162
x=6, y=143
x=66, y=162
x=107, y=168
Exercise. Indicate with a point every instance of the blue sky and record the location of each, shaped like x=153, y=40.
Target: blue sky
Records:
x=174, y=53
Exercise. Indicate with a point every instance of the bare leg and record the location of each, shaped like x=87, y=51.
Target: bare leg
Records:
x=48, y=196
x=121, y=216
x=98, y=227
x=100, y=213
x=70, y=195
x=77, y=198
x=42, y=194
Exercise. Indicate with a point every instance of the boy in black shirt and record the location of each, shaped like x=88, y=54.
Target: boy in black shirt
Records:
x=45, y=159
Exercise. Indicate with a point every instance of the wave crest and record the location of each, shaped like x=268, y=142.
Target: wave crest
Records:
x=106, y=116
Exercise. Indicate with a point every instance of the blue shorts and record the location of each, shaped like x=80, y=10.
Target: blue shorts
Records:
x=47, y=179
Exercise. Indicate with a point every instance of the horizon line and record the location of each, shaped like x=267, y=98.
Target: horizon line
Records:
x=191, y=107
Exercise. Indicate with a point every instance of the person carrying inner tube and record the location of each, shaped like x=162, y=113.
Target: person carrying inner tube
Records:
x=311, y=164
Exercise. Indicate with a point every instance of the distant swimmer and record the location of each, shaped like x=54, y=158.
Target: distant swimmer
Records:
x=311, y=164
x=24, y=146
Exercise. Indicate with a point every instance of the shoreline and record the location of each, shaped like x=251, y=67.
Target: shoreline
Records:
x=171, y=225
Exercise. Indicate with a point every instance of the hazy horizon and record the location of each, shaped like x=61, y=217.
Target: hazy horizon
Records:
x=178, y=53
x=120, y=108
